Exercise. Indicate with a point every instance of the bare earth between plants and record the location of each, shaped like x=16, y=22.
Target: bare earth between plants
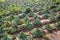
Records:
x=52, y=36
x=29, y=19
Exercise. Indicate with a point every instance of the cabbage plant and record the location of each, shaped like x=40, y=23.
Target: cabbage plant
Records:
x=57, y=25
x=49, y=28
x=28, y=25
x=37, y=22
x=22, y=36
x=37, y=33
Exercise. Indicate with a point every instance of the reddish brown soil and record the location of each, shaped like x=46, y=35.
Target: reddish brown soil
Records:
x=55, y=36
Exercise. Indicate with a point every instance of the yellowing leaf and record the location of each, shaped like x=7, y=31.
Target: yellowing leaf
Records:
x=0, y=13
x=15, y=8
x=2, y=0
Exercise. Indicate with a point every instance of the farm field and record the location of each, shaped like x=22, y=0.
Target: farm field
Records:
x=29, y=19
